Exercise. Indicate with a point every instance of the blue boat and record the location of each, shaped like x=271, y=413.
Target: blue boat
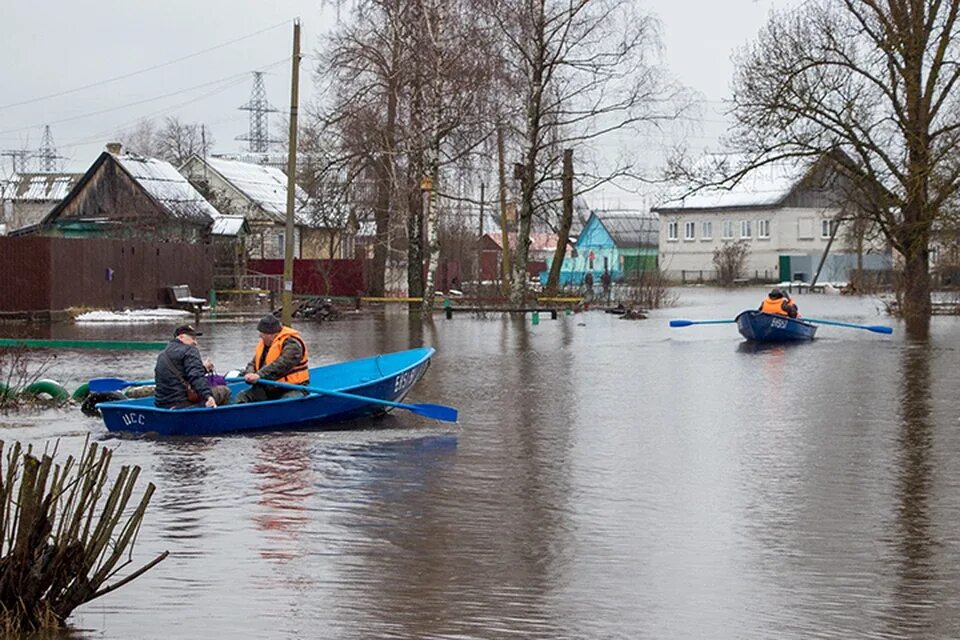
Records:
x=768, y=327
x=388, y=376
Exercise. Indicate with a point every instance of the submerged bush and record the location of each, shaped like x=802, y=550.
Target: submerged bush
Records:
x=65, y=534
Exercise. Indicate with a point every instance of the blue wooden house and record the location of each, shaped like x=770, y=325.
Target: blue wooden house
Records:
x=623, y=242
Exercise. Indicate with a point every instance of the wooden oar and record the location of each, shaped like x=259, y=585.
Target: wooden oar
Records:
x=876, y=328
x=435, y=411
x=100, y=385
x=687, y=323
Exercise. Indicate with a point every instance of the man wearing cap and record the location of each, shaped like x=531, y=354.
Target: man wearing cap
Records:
x=779, y=303
x=281, y=354
x=180, y=375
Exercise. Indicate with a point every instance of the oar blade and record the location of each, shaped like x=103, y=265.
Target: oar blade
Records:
x=435, y=411
x=879, y=328
x=102, y=385
x=680, y=323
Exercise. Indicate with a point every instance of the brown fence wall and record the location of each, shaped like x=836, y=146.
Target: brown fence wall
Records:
x=46, y=273
x=318, y=277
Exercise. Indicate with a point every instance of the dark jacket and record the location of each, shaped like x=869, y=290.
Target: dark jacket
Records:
x=171, y=392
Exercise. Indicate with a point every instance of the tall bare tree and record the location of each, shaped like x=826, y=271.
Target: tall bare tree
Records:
x=877, y=79
x=580, y=69
x=173, y=140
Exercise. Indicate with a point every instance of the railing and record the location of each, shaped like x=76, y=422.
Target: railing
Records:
x=250, y=282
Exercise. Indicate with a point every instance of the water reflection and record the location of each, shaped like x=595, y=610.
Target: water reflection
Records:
x=285, y=473
x=183, y=471
x=914, y=591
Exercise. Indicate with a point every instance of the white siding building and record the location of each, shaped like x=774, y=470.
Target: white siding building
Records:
x=784, y=212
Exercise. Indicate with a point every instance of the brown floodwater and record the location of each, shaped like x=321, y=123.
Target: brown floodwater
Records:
x=608, y=479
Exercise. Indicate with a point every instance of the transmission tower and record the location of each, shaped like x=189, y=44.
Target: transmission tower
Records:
x=18, y=159
x=47, y=157
x=258, y=137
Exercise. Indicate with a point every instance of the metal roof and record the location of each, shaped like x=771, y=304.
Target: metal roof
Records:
x=39, y=187
x=168, y=187
x=630, y=228
x=231, y=226
x=264, y=185
x=767, y=185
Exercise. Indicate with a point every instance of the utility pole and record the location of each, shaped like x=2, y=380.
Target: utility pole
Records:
x=287, y=317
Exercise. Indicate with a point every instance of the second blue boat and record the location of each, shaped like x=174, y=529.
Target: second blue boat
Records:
x=767, y=327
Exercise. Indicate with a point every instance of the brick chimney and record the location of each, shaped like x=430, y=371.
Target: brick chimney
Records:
x=114, y=148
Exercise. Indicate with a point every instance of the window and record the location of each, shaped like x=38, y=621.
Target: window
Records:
x=672, y=229
x=805, y=229
x=707, y=231
x=728, y=229
x=763, y=228
x=745, y=229
x=689, y=230
x=826, y=227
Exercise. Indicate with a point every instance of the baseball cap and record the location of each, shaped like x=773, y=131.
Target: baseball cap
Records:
x=187, y=329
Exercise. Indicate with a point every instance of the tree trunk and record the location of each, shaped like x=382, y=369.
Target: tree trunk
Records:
x=553, y=281
x=504, y=235
x=385, y=186
x=916, y=292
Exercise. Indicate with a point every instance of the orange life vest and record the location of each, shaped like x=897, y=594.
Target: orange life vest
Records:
x=300, y=374
x=775, y=306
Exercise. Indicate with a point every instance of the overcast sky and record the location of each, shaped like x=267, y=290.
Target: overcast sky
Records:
x=56, y=46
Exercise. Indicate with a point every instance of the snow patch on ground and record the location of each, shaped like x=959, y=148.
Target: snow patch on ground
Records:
x=134, y=315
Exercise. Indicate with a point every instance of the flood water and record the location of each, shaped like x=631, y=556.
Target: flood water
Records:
x=608, y=479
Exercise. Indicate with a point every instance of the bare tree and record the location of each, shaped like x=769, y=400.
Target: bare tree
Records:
x=580, y=70
x=176, y=140
x=173, y=140
x=730, y=259
x=877, y=79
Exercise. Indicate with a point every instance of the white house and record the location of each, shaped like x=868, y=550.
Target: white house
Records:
x=785, y=212
x=259, y=194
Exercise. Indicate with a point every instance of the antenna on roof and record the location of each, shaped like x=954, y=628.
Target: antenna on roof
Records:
x=258, y=136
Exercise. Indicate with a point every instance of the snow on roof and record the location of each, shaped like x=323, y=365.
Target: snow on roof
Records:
x=367, y=229
x=630, y=228
x=228, y=226
x=168, y=187
x=264, y=185
x=50, y=187
x=763, y=186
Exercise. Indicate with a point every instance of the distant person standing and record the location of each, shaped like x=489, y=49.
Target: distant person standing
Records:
x=605, y=280
x=588, y=286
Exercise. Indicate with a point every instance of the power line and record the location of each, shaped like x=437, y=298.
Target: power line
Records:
x=135, y=73
x=231, y=80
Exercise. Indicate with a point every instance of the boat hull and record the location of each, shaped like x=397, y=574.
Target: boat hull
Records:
x=767, y=327
x=387, y=376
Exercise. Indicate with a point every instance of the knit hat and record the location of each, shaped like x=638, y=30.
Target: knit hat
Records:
x=269, y=324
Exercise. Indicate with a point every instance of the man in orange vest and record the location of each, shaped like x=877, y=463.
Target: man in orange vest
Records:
x=281, y=354
x=779, y=303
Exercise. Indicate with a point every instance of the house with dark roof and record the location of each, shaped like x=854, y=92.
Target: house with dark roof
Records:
x=620, y=241
x=27, y=198
x=129, y=196
x=787, y=213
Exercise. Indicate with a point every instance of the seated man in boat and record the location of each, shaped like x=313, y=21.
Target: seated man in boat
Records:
x=281, y=354
x=181, y=375
x=779, y=303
